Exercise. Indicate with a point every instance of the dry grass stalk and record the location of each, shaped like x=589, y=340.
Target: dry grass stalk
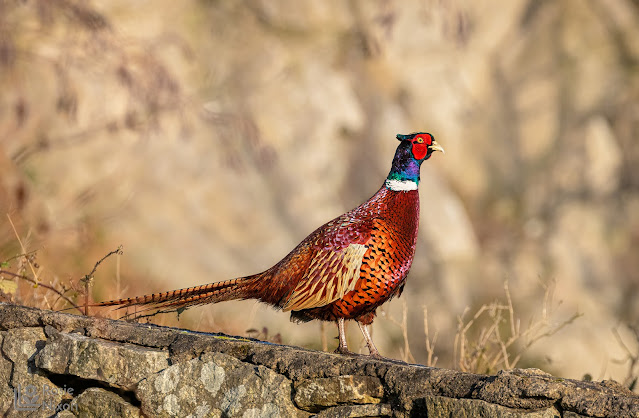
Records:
x=323, y=336
x=501, y=343
x=431, y=359
x=405, y=353
x=27, y=270
x=632, y=377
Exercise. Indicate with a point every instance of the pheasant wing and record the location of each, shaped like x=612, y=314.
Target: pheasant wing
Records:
x=335, y=266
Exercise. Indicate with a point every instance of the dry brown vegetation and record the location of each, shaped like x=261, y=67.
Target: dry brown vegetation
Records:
x=209, y=138
x=21, y=281
x=494, y=338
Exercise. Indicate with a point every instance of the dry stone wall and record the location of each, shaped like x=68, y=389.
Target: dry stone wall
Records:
x=55, y=363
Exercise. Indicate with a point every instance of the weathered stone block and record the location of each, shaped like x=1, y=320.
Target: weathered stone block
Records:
x=443, y=407
x=218, y=385
x=317, y=394
x=27, y=389
x=98, y=402
x=120, y=365
x=353, y=411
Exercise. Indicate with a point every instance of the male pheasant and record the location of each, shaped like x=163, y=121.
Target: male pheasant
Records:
x=345, y=269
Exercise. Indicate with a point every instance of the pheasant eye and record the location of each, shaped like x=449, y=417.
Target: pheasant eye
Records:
x=420, y=140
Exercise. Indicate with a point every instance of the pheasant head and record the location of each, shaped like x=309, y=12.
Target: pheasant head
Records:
x=413, y=150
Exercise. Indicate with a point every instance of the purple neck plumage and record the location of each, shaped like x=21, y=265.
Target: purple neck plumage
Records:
x=404, y=173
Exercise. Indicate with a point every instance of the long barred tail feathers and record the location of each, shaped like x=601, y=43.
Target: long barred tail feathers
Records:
x=184, y=298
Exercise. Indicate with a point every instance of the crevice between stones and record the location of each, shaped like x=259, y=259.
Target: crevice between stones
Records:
x=80, y=385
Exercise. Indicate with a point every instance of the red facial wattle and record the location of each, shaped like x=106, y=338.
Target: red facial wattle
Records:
x=420, y=150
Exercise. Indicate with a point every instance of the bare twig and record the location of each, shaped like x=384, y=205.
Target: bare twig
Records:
x=46, y=286
x=87, y=279
x=5, y=263
x=631, y=358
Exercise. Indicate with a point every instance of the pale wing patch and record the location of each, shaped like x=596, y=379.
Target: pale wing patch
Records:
x=329, y=277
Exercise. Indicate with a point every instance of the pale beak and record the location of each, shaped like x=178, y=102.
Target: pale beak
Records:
x=436, y=147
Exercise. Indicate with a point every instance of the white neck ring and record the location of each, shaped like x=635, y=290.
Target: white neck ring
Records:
x=401, y=185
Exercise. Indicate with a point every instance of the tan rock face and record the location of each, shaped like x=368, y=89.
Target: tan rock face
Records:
x=209, y=139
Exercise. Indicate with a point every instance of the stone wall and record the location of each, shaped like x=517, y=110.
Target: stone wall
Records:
x=87, y=366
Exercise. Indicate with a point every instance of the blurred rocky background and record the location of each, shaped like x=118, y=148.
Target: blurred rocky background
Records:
x=210, y=137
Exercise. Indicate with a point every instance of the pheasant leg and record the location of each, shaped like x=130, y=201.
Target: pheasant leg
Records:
x=342, y=348
x=369, y=341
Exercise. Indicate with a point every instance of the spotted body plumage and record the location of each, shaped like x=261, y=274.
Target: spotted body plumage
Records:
x=343, y=270
x=389, y=245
